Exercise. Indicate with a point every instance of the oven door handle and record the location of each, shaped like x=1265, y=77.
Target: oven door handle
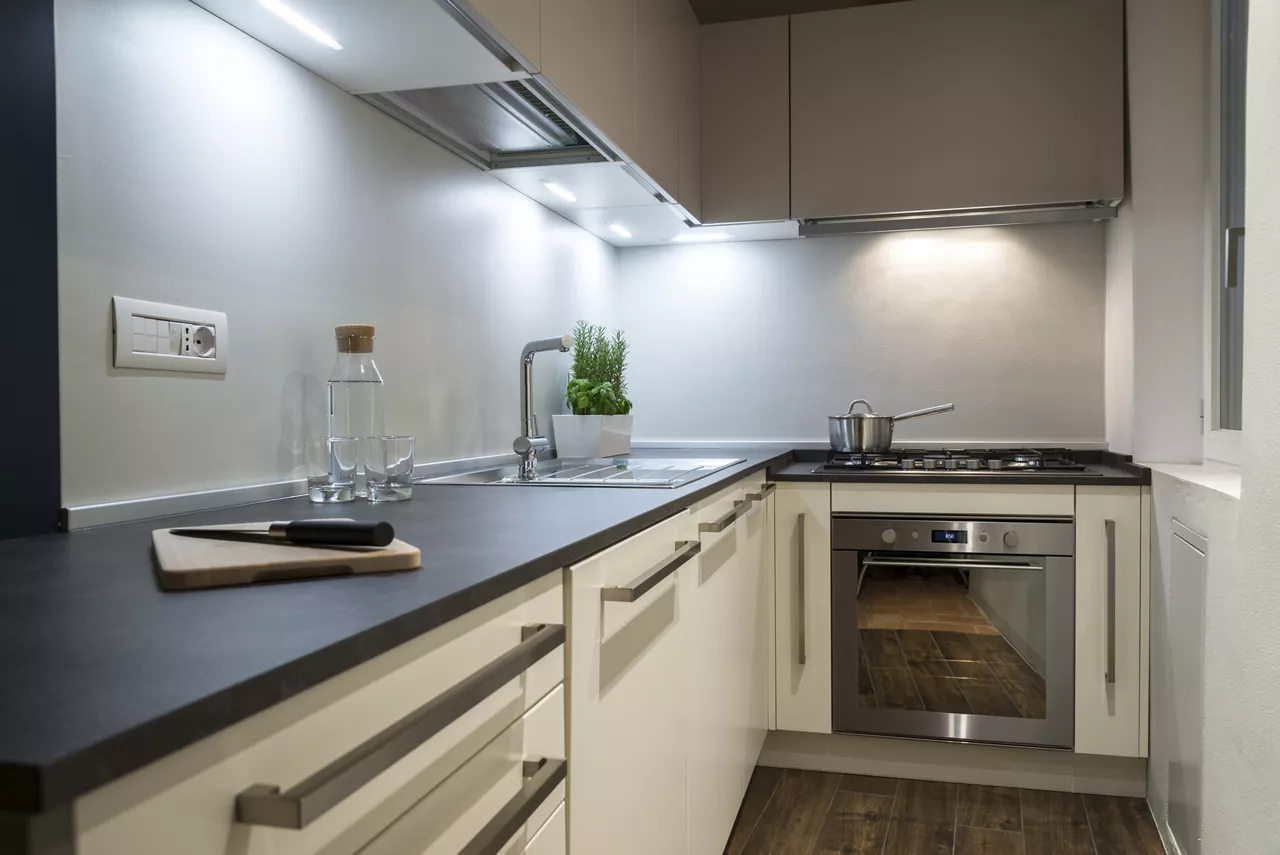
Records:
x=950, y=565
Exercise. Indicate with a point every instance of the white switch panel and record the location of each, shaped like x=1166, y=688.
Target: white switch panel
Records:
x=162, y=337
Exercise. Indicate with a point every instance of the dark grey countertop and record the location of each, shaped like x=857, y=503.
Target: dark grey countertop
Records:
x=102, y=673
x=1115, y=470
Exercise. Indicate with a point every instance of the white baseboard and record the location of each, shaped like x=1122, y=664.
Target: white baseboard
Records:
x=993, y=765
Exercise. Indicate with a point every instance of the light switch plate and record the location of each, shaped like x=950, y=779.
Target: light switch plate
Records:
x=140, y=344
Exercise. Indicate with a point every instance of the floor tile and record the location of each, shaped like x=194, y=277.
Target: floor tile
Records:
x=988, y=697
x=910, y=837
x=856, y=823
x=926, y=801
x=989, y=807
x=881, y=648
x=1122, y=826
x=1055, y=823
x=869, y=784
x=987, y=841
x=794, y=817
x=759, y=791
x=957, y=645
x=895, y=690
x=1027, y=697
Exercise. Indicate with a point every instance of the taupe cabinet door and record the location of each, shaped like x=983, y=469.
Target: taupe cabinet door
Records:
x=745, y=159
x=940, y=104
x=589, y=54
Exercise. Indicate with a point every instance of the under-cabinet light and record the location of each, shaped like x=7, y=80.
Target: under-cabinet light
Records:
x=700, y=236
x=301, y=23
x=620, y=230
x=560, y=191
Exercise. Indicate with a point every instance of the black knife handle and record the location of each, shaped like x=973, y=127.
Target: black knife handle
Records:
x=340, y=532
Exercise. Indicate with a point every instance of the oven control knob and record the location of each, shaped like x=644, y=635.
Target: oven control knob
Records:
x=888, y=535
x=1011, y=539
x=983, y=537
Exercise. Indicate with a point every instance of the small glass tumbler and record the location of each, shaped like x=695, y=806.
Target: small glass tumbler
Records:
x=388, y=467
x=331, y=468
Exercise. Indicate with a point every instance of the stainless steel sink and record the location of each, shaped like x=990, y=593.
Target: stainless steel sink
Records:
x=616, y=472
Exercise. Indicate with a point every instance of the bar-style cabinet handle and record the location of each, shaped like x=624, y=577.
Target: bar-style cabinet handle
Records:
x=765, y=492
x=300, y=805
x=1110, y=526
x=1234, y=252
x=739, y=508
x=644, y=583
x=802, y=654
x=541, y=777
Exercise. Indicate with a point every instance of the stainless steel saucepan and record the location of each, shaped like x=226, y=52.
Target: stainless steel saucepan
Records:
x=869, y=433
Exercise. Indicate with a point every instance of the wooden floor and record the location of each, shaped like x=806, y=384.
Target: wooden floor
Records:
x=790, y=812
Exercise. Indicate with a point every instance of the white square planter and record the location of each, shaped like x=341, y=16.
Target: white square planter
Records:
x=587, y=437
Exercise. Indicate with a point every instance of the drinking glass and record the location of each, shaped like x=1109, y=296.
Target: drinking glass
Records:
x=388, y=467
x=331, y=468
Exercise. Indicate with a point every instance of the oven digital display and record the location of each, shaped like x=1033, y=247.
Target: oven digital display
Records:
x=946, y=536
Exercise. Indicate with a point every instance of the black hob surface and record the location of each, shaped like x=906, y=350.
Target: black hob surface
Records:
x=960, y=461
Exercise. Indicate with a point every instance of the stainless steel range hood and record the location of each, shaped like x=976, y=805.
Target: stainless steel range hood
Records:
x=959, y=219
x=500, y=125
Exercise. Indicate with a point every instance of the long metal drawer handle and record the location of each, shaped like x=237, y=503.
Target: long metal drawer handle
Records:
x=300, y=805
x=541, y=777
x=765, y=492
x=642, y=584
x=1110, y=528
x=739, y=508
x=802, y=656
x=953, y=565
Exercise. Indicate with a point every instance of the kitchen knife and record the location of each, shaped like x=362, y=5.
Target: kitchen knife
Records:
x=336, y=532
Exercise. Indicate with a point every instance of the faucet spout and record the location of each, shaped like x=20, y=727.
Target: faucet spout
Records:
x=529, y=444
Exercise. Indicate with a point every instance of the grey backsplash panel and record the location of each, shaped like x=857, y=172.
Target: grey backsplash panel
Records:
x=761, y=341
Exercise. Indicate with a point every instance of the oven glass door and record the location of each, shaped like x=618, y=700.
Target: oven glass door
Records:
x=965, y=647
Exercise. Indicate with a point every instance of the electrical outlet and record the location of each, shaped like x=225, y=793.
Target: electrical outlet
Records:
x=162, y=337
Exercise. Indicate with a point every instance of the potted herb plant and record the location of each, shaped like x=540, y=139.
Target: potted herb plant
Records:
x=600, y=420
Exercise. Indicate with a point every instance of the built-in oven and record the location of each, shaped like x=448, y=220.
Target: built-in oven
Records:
x=956, y=629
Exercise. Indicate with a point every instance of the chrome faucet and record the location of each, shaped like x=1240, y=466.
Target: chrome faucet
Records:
x=529, y=444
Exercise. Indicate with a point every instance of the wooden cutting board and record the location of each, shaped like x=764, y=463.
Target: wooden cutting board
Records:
x=185, y=563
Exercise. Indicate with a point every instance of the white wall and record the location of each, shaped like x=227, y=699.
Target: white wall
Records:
x=1242, y=666
x=762, y=341
x=198, y=167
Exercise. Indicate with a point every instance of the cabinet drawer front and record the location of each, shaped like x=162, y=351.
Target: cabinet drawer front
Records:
x=1015, y=499
x=459, y=810
x=552, y=839
x=187, y=801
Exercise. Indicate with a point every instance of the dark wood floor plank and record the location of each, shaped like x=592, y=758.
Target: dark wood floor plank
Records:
x=1122, y=826
x=1027, y=697
x=989, y=807
x=1018, y=670
x=957, y=645
x=881, y=648
x=918, y=645
x=987, y=841
x=994, y=648
x=970, y=669
x=794, y=817
x=1055, y=823
x=872, y=785
x=940, y=694
x=856, y=822
x=895, y=690
x=910, y=837
x=988, y=697
x=924, y=667
x=926, y=801
x=759, y=791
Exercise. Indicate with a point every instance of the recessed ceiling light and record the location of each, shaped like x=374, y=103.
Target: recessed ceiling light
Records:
x=301, y=23
x=560, y=191
x=698, y=236
x=620, y=230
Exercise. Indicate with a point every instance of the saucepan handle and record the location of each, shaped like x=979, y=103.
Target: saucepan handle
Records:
x=927, y=411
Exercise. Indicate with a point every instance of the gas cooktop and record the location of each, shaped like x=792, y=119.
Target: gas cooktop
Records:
x=960, y=461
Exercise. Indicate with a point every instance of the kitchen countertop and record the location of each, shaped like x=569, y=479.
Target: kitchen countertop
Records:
x=1116, y=471
x=103, y=673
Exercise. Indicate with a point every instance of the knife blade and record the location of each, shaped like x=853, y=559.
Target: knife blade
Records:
x=322, y=533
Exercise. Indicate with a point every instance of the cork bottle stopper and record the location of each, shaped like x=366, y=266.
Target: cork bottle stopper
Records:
x=354, y=338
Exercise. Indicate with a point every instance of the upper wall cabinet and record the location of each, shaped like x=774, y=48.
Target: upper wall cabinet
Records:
x=660, y=48
x=589, y=54
x=517, y=21
x=745, y=124
x=690, y=193
x=945, y=104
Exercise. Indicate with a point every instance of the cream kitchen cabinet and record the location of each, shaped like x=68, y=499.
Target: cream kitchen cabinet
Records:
x=936, y=105
x=589, y=55
x=746, y=166
x=517, y=21
x=802, y=606
x=440, y=726
x=629, y=620
x=1112, y=561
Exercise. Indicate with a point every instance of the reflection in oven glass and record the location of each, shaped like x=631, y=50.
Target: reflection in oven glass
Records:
x=952, y=641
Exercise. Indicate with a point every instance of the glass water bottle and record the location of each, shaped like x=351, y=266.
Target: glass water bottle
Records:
x=356, y=406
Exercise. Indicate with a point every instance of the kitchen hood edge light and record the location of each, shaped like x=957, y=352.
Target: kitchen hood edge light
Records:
x=300, y=23
x=620, y=230
x=694, y=237
x=956, y=220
